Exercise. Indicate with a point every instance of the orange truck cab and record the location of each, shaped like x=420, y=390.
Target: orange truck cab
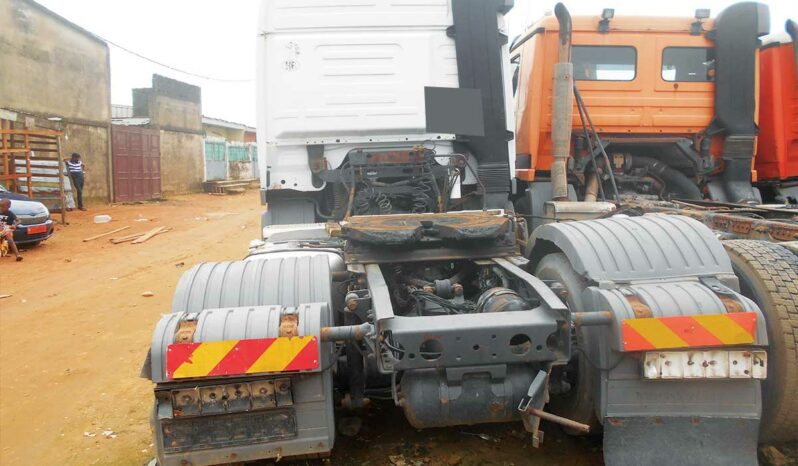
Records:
x=777, y=149
x=672, y=100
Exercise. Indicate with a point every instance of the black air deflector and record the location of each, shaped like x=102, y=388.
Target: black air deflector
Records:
x=479, y=43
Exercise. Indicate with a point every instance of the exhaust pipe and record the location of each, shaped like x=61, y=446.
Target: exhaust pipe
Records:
x=562, y=108
x=792, y=29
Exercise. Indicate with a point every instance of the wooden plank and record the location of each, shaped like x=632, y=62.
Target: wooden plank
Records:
x=90, y=238
x=148, y=235
x=20, y=150
x=42, y=133
x=125, y=239
x=61, y=190
x=27, y=167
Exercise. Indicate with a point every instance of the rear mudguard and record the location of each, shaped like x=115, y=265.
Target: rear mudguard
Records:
x=659, y=266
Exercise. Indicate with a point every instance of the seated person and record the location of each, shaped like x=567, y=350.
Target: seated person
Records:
x=8, y=223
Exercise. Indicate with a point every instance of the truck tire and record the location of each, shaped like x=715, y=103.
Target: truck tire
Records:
x=768, y=275
x=578, y=403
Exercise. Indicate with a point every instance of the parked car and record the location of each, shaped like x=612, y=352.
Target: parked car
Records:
x=35, y=225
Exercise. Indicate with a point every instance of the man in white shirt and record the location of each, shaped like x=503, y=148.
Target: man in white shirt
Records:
x=76, y=171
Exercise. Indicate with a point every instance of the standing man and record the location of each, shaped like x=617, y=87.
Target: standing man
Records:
x=8, y=223
x=76, y=171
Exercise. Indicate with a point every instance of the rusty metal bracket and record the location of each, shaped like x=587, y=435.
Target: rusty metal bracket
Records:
x=185, y=331
x=316, y=160
x=726, y=295
x=288, y=324
x=640, y=309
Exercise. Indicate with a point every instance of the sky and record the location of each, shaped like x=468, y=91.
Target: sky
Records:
x=216, y=39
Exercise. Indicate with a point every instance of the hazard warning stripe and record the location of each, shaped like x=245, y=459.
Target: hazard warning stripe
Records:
x=738, y=328
x=240, y=357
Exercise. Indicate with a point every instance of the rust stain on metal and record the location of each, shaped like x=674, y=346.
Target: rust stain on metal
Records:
x=581, y=317
x=325, y=333
x=495, y=407
x=288, y=325
x=639, y=308
x=614, y=421
x=737, y=220
x=185, y=331
x=731, y=304
x=455, y=220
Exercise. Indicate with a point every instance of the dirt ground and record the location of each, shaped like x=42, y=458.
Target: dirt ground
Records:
x=76, y=329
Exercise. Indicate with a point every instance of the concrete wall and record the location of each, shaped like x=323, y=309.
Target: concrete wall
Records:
x=170, y=104
x=175, y=108
x=178, y=114
x=182, y=166
x=92, y=145
x=50, y=67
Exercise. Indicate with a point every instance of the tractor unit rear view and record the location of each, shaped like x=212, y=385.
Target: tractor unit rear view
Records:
x=393, y=263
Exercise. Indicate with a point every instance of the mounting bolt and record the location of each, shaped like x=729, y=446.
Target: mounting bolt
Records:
x=351, y=304
x=457, y=289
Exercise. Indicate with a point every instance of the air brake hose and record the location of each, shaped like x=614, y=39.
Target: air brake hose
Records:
x=676, y=182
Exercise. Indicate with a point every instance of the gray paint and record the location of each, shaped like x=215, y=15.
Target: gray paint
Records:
x=464, y=396
x=637, y=248
x=287, y=281
x=687, y=441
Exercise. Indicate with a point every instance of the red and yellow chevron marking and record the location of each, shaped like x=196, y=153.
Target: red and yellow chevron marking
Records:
x=737, y=328
x=239, y=357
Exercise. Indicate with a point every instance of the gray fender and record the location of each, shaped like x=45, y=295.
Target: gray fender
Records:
x=628, y=249
x=262, y=280
x=676, y=266
x=283, y=280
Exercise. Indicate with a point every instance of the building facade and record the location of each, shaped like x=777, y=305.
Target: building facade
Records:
x=56, y=75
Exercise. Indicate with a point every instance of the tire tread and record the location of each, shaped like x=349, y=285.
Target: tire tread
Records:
x=776, y=270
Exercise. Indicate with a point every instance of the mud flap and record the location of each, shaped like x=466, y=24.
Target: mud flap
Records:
x=680, y=441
